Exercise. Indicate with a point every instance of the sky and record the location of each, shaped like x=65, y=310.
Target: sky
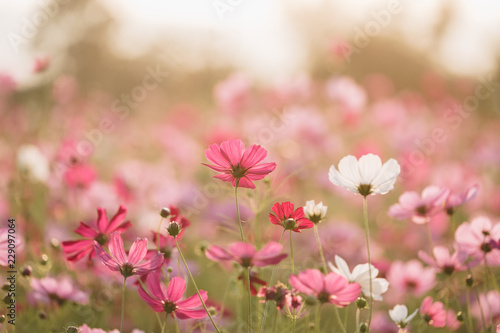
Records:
x=256, y=35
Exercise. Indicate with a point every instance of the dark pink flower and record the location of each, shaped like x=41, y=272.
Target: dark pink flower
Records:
x=80, y=248
x=331, y=288
x=131, y=264
x=457, y=199
x=475, y=238
x=237, y=165
x=443, y=261
x=59, y=291
x=168, y=300
x=420, y=208
x=434, y=313
x=288, y=218
x=246, y=255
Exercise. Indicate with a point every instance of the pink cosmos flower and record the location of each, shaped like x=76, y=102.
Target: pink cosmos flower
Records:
x=457, y=199
x=51, y=290
x=246, y=255
x=131, y=264
x=434, y=313
x=80, y=175
x=444, y=262
x=331, y=288
x=475, y=238
x=168, y=300
x=86, y=329
x=420, y=209
x=80, y=248
x=411, y=278
x=237, y=165
x=288, y=218
x=490, y=303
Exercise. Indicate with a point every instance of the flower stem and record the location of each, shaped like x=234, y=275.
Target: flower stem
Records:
x=367, y=234
x=123, y=305
x=266, y=307
x=291, y=253
x=195, y=286
x=158, y=235
x=337, y=316
x=238, y=211
x=176, y=323
x=358, y=313
x=318, y=313
x=293, y=324
x=469, y=318
x=320, y=248
x=249, y=301
x=275, y=320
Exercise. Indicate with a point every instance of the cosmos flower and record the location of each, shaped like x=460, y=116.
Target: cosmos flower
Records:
x=238, y=165
x=131, y=264
x=75, y=250
x=246, y=255
x=475, y=238
x=331, y=288
x=399, y=315
x=58, y=290
x=366, y=176
x=288, y=218
x=420, y=208
x=434, y=313
x=168, y=299
x=315, y=212
x=457, y=199
x=444, y=262
x=411, y=278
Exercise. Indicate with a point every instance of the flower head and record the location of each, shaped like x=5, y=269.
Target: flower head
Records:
x=475, y=238
x=315, y=213
x=420, y=209
x=365, y=176
x=399, y=315
x=331, y=288
x=75, y=250
x=443, y=261
x=411, y=278
x=288, y=218
x=246, y=255
x=434, y=313
x=168, y=300
x=457, y=199
x=361, y=275
x=61, y=290
x=131, y=264
x=237, y=165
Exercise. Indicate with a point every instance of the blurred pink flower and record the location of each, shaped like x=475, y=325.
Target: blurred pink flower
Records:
x=56, y=290
x=457, y=199
x=80, y=175
x=131, y=264
x=86, y=329
x=75, y=250
x=237, y=165
x=490, y=303
x=345, y=91
x=233, y=93
x=168, y=300
x=434, y=313
x=331, y=288
x=444, y=262
x=420, y=209
x=41, y=64
x=411, y=278
x=475, y=238
x=246, y=255
x=288, y=218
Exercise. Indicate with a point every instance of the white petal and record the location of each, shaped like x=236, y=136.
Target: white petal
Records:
x=344, y=268
x=384, y=181
x=398, y=313
x=410, y=317
x=369, y=167
x=348, y=167
x=338, y=179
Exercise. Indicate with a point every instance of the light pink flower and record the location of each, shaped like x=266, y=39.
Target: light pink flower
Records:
x=457, y=199
x=41, y=64
x=233, y=93
x=475, y=238
x=331, y=288
x=80, y=175
x=420, y=208
x=490, y=303
x=434, y=313
x=444, y=262
x=411, y=278
x=238, y=165
x=246, y=255
x=168, y=300
x=86, y=329
x=58, y=290
x=131, y=264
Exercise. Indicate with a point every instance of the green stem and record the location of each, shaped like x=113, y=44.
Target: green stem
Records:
x=195, y=286
x=291, y=253
x=293, y=324
x=367, y=234
x=470, y=328
x=320, y=249
x=123, y=305
x=238, y=211
x=266, y=307
x=358, y=312
x=176, y=323
x=249, y=301
x=158, y=235
x=318, y=313
x=337, y=316
x=346, y=315
x=275, y=320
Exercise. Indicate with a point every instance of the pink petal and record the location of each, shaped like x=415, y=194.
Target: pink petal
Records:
x=244, y=182
x=217, y=253
x=252, y=156
x=190, y=314
x=124, y=226
x=78, y=245
x=297, y=284
x=137, y=251
x=149, y=265
x=154, y=286
x=86, y=231
x=117, y=219
x=242, y=250
x=218, y=168
x=410, y=200
x=176, y=288
x=156, y=305
x=214, y=155
x=193, y=301
x=313, y=279
x=232, y=150
x=262, y=169
x=102, y=220
x=115, y=246
x=106, y=258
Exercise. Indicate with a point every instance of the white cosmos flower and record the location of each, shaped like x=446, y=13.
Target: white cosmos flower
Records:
x=31, y=160
x=315, y=213
x=366, y=176
x=361, y=275
x=399, y=315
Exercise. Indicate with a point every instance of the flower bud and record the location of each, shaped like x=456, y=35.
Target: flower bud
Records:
x=170, y=270
x=72, y=329
x=2, y=318
x=212, y=310
x=165, y=212
x=173, y=229
x=27, y=270
x=363, y=328
x=469, y=281
x=55, y=244
x=460, y=316
x=361, y=303
x=42, y=315
x=44, y=259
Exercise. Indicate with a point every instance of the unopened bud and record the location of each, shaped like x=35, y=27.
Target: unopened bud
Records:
x=27, y=270
x=361, y=303
x=363, y=328
x=460, y=316
x=55, y=244
x=212, y=310
x=2, y=318
x=44, y=259
x=173, y=229
x=42, y=315
x=165, y=212
x=469, y=281
x=72, y=329
x=170, y=270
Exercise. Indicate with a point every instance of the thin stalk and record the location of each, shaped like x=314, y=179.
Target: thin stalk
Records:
x=195, y=286
x=318, y=313
x=266, y=307
x=275, y=320
x=478, y=301
x=346, y=315
x=158, y=235
x=176, y=323
x=249, y=301
x=291, y=253
x=367, y=234
x=358, y=313
x=337, y=316
x=293, y=324
x=320, y=248
x=469, y=318
x=238, y=211
x=123, y=305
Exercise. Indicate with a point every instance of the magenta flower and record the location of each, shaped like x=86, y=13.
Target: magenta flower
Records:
x=80, y=248
x=331, y=288
x=131, y=264
x=434, y=313
x=444, y=262
x=48, y=290
x=475, y=238
x=420, y=209
x=411, y=278
x=246, y=255
x=288, y=218
x=457, y=199
x=237, y=165
x=168, y=300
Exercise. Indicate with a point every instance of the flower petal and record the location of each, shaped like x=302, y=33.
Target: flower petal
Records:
x=176, y=288
x=137, y=251
x=116, y=248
